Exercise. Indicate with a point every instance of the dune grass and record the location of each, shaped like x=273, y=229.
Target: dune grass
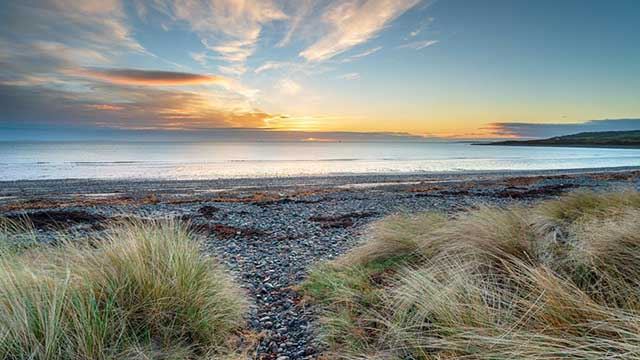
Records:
x=139, y=291
x=556, y=280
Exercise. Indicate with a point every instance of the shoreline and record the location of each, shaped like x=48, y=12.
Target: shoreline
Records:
x=330, y=178
x=594, y=146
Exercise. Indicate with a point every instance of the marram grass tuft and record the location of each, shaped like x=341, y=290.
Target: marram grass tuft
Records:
x=557, y=280
x=139, y=291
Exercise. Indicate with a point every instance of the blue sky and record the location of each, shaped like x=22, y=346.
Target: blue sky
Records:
x=448, y=68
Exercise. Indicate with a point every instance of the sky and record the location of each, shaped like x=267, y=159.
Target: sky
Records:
x=318, y=70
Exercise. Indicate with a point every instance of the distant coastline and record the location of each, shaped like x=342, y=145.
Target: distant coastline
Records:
x=526, y=143
x=606, y=139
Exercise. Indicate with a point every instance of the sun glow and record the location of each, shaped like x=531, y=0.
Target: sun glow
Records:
x=313, y=139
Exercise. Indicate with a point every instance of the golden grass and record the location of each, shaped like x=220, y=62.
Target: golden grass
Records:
x=140, y=291
x=399, y=235
x=557, y=280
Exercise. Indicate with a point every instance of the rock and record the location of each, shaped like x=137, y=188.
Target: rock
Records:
x=208, y=210
x=59, y=219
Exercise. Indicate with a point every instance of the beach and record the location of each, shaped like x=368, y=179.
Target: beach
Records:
x=271, y=231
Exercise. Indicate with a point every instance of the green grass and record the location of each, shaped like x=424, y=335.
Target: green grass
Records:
x=556, y=280
x=353, y=292
x=140, y=291
x=16, y=236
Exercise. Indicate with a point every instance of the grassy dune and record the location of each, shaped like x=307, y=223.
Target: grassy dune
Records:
x=140, y=291
x=558, y=280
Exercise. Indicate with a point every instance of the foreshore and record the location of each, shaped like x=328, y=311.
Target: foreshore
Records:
x=20, y=190
x=271, y=231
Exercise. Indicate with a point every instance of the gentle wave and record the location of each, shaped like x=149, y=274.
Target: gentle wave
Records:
x=218, y=160
x=231, y=161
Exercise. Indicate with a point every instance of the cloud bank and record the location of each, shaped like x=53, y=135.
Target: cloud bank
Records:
x=126, y=107
x=47, y=132
x=536, y=130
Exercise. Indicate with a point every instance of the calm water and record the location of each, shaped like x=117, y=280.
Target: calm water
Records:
x=197, y=160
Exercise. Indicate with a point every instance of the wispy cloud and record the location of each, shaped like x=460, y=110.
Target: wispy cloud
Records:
x=362, y=54
x=418, y=45
x=302, y=10
x=423, y=25
x=66, y=53
x=288, y=87
x=350, y=23
x=229, y=28
x=95, y=23
x=98, y=27
x=292, y=67
x=272, y=65
x=105, y=107
x=199, y=57
x=233, y=69
x=350, y=76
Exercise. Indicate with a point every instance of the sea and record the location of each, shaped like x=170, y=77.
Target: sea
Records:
x=215, y=160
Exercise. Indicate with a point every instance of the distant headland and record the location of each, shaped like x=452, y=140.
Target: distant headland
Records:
x=610, y=139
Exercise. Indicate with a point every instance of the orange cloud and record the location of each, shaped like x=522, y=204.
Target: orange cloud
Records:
x=149, y=77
